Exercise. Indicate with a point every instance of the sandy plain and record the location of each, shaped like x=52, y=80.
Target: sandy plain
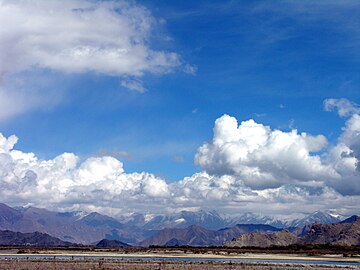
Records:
x=91, y=264
x=79, y=260
x=179, y=254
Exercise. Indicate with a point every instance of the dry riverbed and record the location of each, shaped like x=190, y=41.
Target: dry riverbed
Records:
x=179, y=255
x=87, y=264
x=21, y=259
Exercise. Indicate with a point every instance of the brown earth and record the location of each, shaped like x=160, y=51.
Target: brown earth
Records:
x=198, y=236
x=345, y=234
x=67, y=227
x=31, y=239
x=46, y=264
x=261, y=239
x=339, y=234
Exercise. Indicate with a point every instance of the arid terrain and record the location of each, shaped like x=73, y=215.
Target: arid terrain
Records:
x=45, y=264
x=175, y=258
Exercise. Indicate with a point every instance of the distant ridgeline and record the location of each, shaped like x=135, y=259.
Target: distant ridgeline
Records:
x=41, y=227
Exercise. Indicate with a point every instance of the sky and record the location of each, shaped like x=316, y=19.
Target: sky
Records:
x=159, y=106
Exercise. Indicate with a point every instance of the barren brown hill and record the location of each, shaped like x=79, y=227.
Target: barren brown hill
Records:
x=192, y=235
x=9, y=238
x=343, y=234
x=111, y=244
x=84, y=229
x=199, y=236
x=263, y=239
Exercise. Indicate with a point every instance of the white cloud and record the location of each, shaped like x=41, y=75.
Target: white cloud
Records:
x=190, y=69
x=132, y=84
x=104, y=37
x=228, y=194
x=101, y=184
x=247, y=167
x=79, y=36
x=63, y=182
x=18, y=95
x=346, y=156
x=343, y=106
x=116, y=154
x=8, y=99
x=261, y=157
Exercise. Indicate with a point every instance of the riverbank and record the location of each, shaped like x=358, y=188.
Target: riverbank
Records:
x=94, y=264
x=177, y=254
x=14, y=258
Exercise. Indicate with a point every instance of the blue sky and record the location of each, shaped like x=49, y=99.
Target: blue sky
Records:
x=252, y=58
x=271, y=61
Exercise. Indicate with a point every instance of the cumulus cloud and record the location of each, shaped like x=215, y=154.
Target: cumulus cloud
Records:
x=345, y=157
x=105, y=37
x=249, y=166
x=262, y=157
x=229, y=194
x=246, y=167
x=62, y=181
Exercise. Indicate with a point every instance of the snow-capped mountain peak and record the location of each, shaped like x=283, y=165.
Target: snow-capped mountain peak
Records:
x=322, y=217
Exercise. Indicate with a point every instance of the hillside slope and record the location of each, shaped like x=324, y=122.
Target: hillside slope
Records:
x=9, y=238
x=263, y=239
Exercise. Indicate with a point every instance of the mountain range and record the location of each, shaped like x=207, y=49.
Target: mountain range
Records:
x=76, y=227
x=106, y=243
x=263, y=239
x=90, y=228
x=345, y=233
x=9, y=238
x=195, y=235
x=214, y=221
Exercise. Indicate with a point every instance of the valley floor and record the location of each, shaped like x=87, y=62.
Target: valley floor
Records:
x=146, y=259
x=82, y=264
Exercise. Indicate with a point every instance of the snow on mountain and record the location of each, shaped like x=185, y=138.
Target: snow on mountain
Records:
x=252, y=218
x=321, y=217
x=82, y=227
x=214, y=221
x=206, y=219
x=180, y=220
